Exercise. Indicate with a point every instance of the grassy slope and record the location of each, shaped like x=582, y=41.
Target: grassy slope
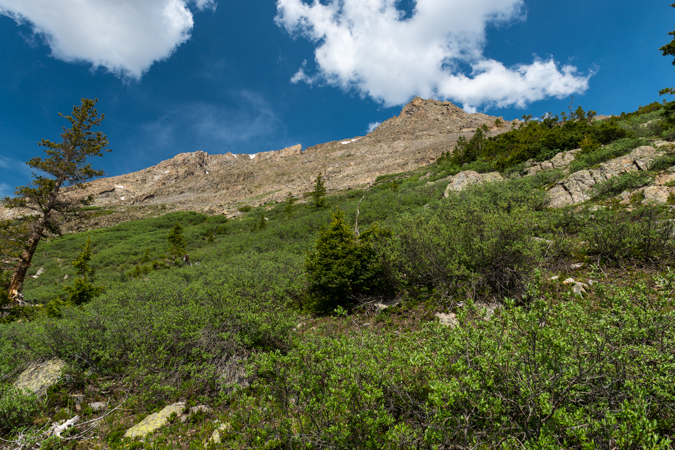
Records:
x=550, y=370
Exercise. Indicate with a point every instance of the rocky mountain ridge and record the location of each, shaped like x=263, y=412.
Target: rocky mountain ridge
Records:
x=221, y=183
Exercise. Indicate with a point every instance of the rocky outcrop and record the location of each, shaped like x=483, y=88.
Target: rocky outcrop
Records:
x=560, y=161
x=40, y=376
x=465, y=179
x=576, y=188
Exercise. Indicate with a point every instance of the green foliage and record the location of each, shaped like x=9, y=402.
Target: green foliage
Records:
x=185, y=329
x=645, y=122
x=288, y=205
x=616, y=185
x=318, y=195
x=177, y=246
x=596, y=155
x=520, y=380
x=343, y=267
x=642, y=236
x=663, y=162
x=534, y=139
x=83, y=290
x=477, y=244
x=17, y=409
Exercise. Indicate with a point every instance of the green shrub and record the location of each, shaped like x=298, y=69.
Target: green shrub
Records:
x=596, y=156
x=17, y=409
x=616, y=185
x=646, y=122
x=663, y=162
x=643, y=236
x=177, y=246
x=534, y=139
x=477, y=244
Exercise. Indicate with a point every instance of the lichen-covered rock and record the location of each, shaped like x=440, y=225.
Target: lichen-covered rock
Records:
x=155, y=421
x=40, y=376
x=465, y=179
x=449, y=320
x=576, y=188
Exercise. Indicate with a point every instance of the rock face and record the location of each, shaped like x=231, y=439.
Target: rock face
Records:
x=576, y=188
x=40, y=376
x=220, y=183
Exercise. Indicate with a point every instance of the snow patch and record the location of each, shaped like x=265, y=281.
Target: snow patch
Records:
x=349, y=142
x=121, y=198
x=253, y=156
x=119, y=187
x=167, y=171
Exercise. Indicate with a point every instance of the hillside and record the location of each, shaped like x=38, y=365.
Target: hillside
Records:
x=514, y=293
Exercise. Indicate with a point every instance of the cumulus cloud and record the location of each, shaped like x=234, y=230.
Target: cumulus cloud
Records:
x=377, y=49
x=123, y=36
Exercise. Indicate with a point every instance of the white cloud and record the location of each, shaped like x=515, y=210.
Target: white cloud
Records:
x=372, y=126
x=124, y=36
x=372, y=47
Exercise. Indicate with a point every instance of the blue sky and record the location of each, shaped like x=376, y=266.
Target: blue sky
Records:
x=177, y=76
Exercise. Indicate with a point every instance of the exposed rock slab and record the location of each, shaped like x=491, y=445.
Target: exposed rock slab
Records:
x=466, y=178
x=155, y=421
x=576, y=188
x=40, y=376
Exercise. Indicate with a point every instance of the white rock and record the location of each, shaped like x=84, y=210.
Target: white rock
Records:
x=449, y=320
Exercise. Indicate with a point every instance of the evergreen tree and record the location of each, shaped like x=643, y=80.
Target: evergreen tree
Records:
x=65, y=165
x=343, y=267
x=318, y=195
x=288, y=207
x=83, y=290
x=177, y=245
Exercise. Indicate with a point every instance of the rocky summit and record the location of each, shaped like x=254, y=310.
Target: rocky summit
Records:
x=222, y=183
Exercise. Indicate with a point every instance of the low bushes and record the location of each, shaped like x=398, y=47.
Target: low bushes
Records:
x=614, y=150
x=17, y=409
x=555, y=374
x=477, y=244
x=177, y=331
x=643, y=236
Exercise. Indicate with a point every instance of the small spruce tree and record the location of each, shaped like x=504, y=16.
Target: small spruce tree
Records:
x=83, y=290
x=318, y=195
x=343, y=267
x=177, y=246
x=288, y=205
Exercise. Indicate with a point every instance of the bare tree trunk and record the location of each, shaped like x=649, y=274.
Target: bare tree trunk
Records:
x=16, y=286
x=356, y=221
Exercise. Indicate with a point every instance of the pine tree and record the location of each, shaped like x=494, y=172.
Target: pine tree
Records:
x=177, y=245
x=288, y=207
x=65, y=165
x=318, y=195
